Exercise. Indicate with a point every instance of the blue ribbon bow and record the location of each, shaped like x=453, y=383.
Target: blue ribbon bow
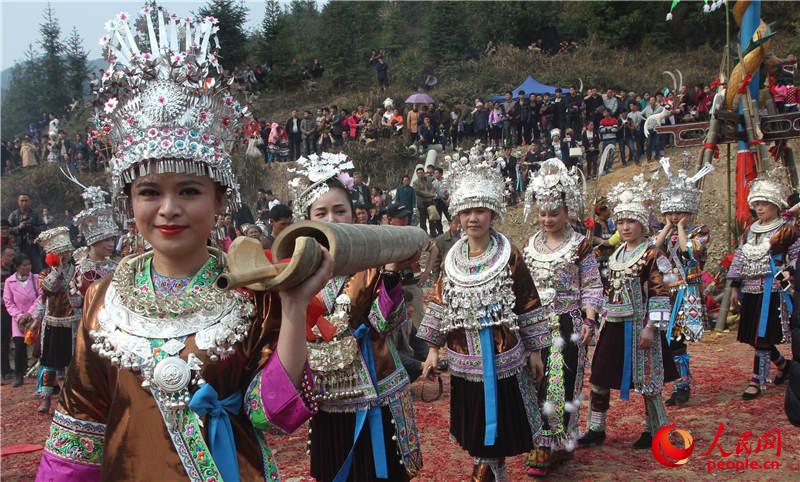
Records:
x=205, y=401
x=675, y=309
x=374, y=416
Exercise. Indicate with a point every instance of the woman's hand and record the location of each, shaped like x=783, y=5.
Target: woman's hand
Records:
x=646, y=337
x=586, y=334
x=302, y=294
x=430, y=363
x=536, y=365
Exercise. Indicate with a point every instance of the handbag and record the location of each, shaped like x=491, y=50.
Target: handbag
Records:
x=433, y=213
x=575, y=152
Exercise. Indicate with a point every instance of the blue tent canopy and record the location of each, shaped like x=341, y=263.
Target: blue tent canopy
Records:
x=530, y=86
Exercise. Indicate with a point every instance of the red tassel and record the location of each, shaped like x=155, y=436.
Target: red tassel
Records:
x=714, y=83
x=726, y=261
x=52, y=260
x=745, y=82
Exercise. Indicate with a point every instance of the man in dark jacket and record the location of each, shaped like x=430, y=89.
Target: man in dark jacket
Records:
x=524, y=106
x=360, y=192
x=594, y=107
x=295, y=135
x=481, y=121
x=405, y=195
x=560, y=111
x=25, y=227
x=574, y=107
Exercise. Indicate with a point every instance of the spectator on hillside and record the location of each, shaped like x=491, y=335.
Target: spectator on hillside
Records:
x=426, y=132
x=25, y=227
x=52, y=129
x=608, y=135
x=591, y=149
x=361, y=214
x=27, y=152
x=277, y=144
x=524, y=123
x=569, y=142
x=405, y=195
x=360, y=191
x=262, y=206
x=635, y=115
x=295, y=135
x=574, y=107
x=497, y=119
x=653, y=141
x=511, y=121
x=280, y=217
x=594, y=107
x=423, y=188
x=546, y=115
x=611, y=102
x=412, y=123
x=560, y=110
x=317, y=69
x=48, y=221
x=440, y=193
x=480, y=118
x=382, y=70
x=490, y=49
x=628, y=139
x=308, y=128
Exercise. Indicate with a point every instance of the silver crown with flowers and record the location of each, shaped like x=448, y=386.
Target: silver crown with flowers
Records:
x=476, y=182
x=632, y=200
x=681, y=194
x=554, y=186
x=312, y=174
x=96, y=222
x=56, y=240
x=773, y=187
x=163, y=110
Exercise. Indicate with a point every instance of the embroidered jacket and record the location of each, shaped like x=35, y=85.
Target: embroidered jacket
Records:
x=107, y=426
x=750, y=266
x=513, y=340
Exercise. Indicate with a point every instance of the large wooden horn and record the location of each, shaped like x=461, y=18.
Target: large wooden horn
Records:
x=353, y=247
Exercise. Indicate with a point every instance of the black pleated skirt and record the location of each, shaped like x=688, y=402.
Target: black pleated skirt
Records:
x=56, y=347
x=751, y=315
x=609, y=357
x=468, y=420
x=332, y=438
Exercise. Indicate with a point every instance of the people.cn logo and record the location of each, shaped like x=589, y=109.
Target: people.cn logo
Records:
x=667, y=454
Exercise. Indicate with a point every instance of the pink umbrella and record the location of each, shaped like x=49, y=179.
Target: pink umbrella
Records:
x=420, y=98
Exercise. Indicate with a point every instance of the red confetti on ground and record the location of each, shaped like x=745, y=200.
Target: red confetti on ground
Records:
x=721, y=368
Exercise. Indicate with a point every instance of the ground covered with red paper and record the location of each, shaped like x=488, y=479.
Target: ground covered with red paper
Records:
x=721, y=370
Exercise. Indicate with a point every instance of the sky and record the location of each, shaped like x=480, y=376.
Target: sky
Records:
x=20, y=21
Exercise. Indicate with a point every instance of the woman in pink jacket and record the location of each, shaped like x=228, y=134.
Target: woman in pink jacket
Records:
x=21, y=295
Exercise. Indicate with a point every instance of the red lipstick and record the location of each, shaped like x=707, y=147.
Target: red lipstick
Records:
x=170, y=229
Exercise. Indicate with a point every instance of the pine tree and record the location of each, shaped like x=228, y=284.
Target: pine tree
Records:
x=77, y=65
x=232, y=37
x=21, y=101
x=272, y=18
x=54, y=94
x=445, y=35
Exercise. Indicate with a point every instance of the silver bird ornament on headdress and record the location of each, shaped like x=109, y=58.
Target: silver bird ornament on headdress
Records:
x=681, y=194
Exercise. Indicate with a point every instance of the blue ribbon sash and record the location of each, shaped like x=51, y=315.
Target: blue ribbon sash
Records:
x=489, y=386
x=675, y=309
x=372, y=414
x=625, y=383
x=205, y=401
x=767, y=297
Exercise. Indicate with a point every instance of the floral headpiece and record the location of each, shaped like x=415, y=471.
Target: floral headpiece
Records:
x=312, y=175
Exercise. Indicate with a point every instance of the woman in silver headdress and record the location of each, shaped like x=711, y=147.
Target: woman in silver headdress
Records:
x=57, y=313
x=685, y=244
x=759, y=272
x=173, y=378
x=567, y=277
x=366, y=425
x=484, y=311
x=632, y=350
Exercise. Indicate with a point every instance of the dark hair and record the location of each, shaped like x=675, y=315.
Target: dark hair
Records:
x=335, y=183
x=439, y=170
x=509, y=92
x=19, y=259
x=521, y=92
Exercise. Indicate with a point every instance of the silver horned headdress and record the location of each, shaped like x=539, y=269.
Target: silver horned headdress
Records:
x=681, y=194
x=475, y=182
x=96, y=222
x=772, y=186
x=55, y=240
x=312, y=176
x=163, y=109
x=554, y=186
x=632, y=200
